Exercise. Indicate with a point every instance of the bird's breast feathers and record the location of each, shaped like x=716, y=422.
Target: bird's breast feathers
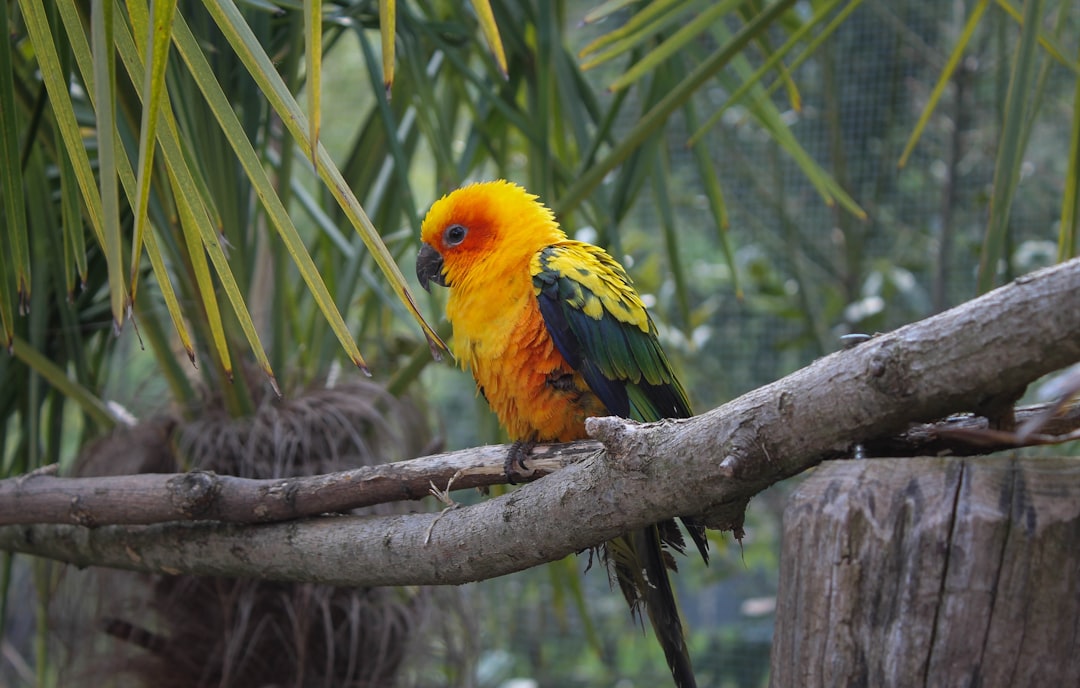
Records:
x=501, y=336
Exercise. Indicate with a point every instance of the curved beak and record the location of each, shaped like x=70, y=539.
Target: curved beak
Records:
x=429, y=267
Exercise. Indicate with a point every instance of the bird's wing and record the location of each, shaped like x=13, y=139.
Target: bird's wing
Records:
x=601, y=328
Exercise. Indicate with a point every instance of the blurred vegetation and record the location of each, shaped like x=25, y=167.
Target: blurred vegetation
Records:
x=742, y=158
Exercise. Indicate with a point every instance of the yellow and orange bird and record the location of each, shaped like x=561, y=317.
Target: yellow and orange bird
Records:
x=554, y=332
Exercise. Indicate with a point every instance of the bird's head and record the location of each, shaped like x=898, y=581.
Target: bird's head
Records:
x=494, y=223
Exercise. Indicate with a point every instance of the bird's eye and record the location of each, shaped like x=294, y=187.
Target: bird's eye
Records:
x=454, y=235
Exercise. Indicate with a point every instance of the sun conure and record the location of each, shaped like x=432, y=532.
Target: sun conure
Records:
x=554, y=332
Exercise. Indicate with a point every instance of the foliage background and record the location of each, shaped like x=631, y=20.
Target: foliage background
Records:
x=750, y=271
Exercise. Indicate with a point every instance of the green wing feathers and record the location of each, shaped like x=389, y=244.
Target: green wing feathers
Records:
x=601, y=327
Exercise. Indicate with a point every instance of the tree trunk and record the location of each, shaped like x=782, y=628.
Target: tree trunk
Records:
x=931, y=572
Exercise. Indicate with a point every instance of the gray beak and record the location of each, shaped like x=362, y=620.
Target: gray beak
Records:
x=429, y=267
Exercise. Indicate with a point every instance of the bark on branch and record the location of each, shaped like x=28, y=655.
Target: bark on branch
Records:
x=148, y=498
x=977, y=357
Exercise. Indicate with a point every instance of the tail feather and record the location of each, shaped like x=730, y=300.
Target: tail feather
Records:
x=640, y=566
x=697, y=533
x=661, y=608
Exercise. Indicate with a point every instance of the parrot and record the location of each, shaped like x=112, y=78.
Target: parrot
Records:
x=554, y=332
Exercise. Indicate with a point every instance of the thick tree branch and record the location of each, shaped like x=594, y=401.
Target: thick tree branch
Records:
x=145, y=499
x=976, y=357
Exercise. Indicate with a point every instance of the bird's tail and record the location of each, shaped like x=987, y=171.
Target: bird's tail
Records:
x=640, y=565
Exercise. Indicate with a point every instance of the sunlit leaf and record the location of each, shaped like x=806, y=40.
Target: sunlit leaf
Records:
x=313, y=52
x=387, y=29
x=259, y=66
x=491, y=32
x=153, y=94
x=192, y=224
x=196, y=225
x=73, y=230
x=211, y=90
x=60, y=100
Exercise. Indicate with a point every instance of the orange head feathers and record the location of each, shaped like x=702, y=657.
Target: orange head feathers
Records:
x=483, y=225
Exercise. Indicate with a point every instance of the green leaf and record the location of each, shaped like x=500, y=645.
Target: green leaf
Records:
x=195, y=227
x=153, y=95
x=673, y=43
x=7, y=300
x=56, y=85
x=491, y=32
x=662, y=182
x=715, y=197
x=944, y=79
x=101, y=35
x=1011, y=146
x=646, y=22
x=249, y=50
x=766, y=114
x=72, y=219
x=1048, y=43
x=15, y=246
x=313, y=52
x=1067, y=243
x=200, y=69
x=606, y=9
x=73, y=225
x=90, y=403
x=172, y=304
x=392, y=142
x=676, y=98
x=774, y=60
x=195, y=222
x=387, y=30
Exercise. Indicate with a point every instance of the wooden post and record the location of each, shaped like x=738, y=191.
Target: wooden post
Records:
x=931, y=572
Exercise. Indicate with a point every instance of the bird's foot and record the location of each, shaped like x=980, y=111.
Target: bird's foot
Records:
x=515, y=459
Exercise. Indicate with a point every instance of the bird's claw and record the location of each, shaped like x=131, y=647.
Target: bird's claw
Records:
x=515, y=459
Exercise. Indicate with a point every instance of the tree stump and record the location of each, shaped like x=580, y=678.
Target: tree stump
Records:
x=931, y=572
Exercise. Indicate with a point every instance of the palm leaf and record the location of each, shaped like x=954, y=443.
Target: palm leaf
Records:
x=15, y=263
x=158, y=35
x=261, y=69
x=101, y=33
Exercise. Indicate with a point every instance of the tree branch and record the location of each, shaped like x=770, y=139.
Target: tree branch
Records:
x=970, y=358
x=149, y=498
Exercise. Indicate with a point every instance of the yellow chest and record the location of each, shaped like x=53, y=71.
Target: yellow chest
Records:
x=500, y=336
